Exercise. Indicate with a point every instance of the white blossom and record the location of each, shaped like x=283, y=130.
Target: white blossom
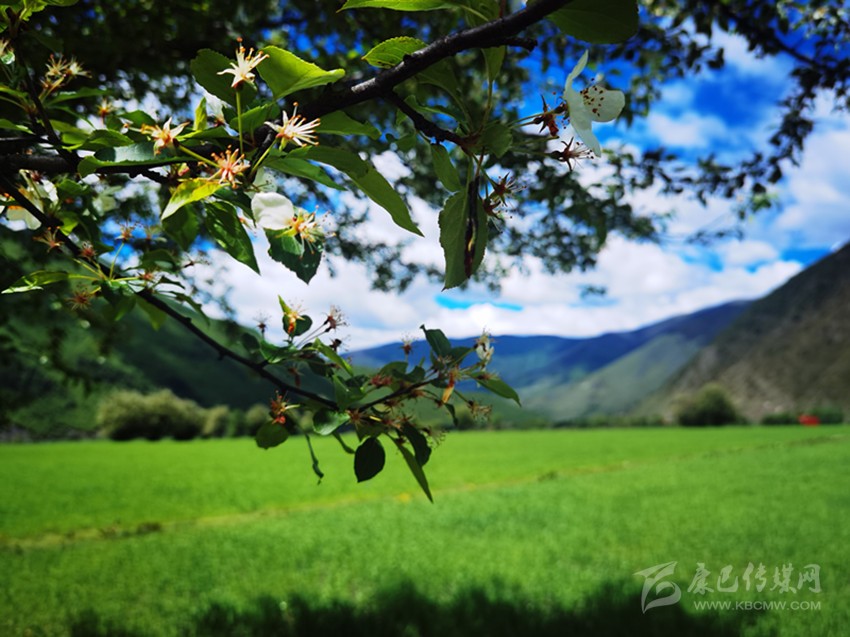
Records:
x=592, y=104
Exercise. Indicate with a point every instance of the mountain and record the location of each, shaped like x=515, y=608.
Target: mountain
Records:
x=567, y=378
x=788, y=352
x=48, y=399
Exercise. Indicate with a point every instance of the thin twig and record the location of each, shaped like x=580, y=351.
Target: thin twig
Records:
x=423, y=124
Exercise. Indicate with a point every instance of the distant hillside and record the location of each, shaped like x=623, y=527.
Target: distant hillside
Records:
x=139, y=358
x=788, y=351
x=566, y=378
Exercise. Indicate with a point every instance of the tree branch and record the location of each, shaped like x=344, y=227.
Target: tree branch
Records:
x=148, y=295
x=491, y=34
x=423, y=124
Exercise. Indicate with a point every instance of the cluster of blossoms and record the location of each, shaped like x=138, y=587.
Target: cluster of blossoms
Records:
x=497, y=200
x=278, y=409
x=59, y=72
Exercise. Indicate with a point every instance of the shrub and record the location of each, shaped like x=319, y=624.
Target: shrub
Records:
x=126, y=415
x=251, y=421
x=828, y=414
x=711, y=406
x=218, y=422
x=780, y=418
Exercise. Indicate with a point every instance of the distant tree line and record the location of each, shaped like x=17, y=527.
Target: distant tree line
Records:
x=128, y=415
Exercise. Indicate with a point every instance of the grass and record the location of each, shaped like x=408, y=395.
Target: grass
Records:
x=532, y=533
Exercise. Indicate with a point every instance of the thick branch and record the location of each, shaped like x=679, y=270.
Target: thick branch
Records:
x=55, y=164
x=491, y=34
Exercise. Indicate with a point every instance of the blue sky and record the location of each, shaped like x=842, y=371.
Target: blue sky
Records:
x=728, y=112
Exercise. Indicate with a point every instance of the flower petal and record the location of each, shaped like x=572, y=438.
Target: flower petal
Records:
x=577, y=69
x=19, y=214
x=272, y=211
x=604, y=105
x=582, y=127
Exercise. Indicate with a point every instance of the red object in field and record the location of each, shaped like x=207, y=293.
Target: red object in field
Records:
x=808, y=420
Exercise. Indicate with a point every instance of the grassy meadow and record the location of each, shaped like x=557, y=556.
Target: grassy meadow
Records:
x=532, y=533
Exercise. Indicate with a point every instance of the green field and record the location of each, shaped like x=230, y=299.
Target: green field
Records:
x=532, y=533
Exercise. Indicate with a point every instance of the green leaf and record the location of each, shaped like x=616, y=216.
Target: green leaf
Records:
x=120, y=298
x=391, y=52
x=338, y=123
x=271, y=434
x=273, y=354
x=415, y=469
x=138, y=118
x=35, y=281
x=286, y=73
x=250, y=342
x=156, y=316
x=444, y=168
x=395, y=369
x=256, y=117
x=182, y=227
x=498, y=387
x=419, y=443
x=366, y=177
x=140, y=154
x=6, y=124
x=302, y=258
x=463, y=236
x=67, y=96
x=302, y=322
x=453, y=223
x=494, y=57
x=400, y=5
x=104, y=138
x=347, y=392
x=224, y=227
x=598, y=21
x=443, y=76
x=200, y=122
x=326, y=422
x=440, y=345
x=302, y=168
x=206, y=68
x=332, y=356
x=369, y=459
x=495, y=139
x=68, y=188
x=187, y=192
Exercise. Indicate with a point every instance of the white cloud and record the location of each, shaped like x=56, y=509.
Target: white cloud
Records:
x=686, y=130
x=818, y=191
x=747, y=253
x=739, y=58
